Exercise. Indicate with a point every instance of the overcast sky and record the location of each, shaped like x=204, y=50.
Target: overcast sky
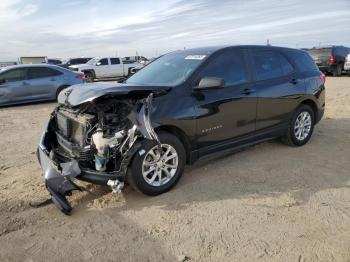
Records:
x=62, y=29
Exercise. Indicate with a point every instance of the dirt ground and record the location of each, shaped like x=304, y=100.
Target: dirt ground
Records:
x=270, y=202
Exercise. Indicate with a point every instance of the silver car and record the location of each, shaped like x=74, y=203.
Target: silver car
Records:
x=31, y=83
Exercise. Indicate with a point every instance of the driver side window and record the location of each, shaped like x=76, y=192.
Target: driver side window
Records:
x=14, y=75
x=229, y=65
x=103, y=61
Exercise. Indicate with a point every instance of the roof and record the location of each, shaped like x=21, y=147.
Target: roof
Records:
x=30, y=65
x=212, y=49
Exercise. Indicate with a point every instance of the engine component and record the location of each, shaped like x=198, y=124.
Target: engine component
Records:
x=102, y=155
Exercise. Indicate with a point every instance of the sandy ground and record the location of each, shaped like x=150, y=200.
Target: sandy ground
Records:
x=268, y=203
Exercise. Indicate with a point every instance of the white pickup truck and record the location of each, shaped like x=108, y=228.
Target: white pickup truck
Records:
x=106, y=67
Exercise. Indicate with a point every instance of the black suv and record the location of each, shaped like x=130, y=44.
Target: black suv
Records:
x=330, y=59
x=181, y=107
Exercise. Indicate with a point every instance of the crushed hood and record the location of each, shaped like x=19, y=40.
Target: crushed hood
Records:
x=88, y=92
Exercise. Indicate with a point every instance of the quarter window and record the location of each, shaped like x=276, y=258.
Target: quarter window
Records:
x=41, y=72
x=229, y=66
x=303, y=61
x=14, y=75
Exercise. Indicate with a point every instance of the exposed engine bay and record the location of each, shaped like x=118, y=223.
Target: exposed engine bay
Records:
x=92, y=141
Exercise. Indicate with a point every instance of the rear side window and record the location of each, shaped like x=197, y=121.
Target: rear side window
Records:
x=14, y=75
x=115, y=61
x=41, y=72
x=229, y=66
x=270, y=64
x=303, y=61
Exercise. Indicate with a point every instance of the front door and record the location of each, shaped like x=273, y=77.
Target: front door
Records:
x=102, y=68
x=14, y=87
x=229, y=112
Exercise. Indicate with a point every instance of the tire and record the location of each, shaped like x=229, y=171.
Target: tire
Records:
x=140, y=166
x=129, y=71
x=89, y=76
x=292, y=136
x=59, y=90
x=337, y=71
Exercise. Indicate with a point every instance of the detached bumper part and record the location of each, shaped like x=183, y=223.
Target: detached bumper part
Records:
x=59, y=185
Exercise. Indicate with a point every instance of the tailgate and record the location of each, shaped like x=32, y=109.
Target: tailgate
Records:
x=321, y=56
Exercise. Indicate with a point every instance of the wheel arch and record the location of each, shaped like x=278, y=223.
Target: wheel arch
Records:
x=60, y=88
x=89, y=71
x=313, y=105
x=180, y=134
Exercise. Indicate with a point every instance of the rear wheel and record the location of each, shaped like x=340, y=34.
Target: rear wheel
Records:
x=300, y=127
x=337, y=71
x=156, y=170
x=130, y=71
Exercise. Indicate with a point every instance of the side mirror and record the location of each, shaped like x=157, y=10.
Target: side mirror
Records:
x=98, y=63
x=210, y=83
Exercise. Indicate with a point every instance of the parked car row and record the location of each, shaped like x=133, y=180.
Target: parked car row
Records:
x=37, y=82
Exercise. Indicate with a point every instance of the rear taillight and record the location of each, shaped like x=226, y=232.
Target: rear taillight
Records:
x=331, y=60
x=323, y=78
x=80, y=76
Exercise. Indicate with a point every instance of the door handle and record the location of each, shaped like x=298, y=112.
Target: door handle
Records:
x=294, y=81
x=248, y=91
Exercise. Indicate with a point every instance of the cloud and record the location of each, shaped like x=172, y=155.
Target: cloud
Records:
x=72, y=28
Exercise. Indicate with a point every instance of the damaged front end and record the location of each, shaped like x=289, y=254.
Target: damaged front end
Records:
x=94, y=142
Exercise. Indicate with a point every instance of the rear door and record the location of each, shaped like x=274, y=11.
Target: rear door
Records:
x=229, y=112
x=43, y=82
x=278, y=85
x=14, y=86
x=116, y=67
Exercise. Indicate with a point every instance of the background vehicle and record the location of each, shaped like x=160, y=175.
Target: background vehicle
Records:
x=330, y=59
x=75, y=61
x=32, y=60
x=106, y=67
x=347, y=64
x=54, y=61
x=29, y=83
x=206, y=100
x=133, y=59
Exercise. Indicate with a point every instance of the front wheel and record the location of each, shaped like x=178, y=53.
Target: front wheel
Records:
x=89, y=76
x=300, y=127
x=156, y=170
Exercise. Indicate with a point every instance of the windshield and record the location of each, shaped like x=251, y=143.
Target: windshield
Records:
x=92, y=61
x=168, y=70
